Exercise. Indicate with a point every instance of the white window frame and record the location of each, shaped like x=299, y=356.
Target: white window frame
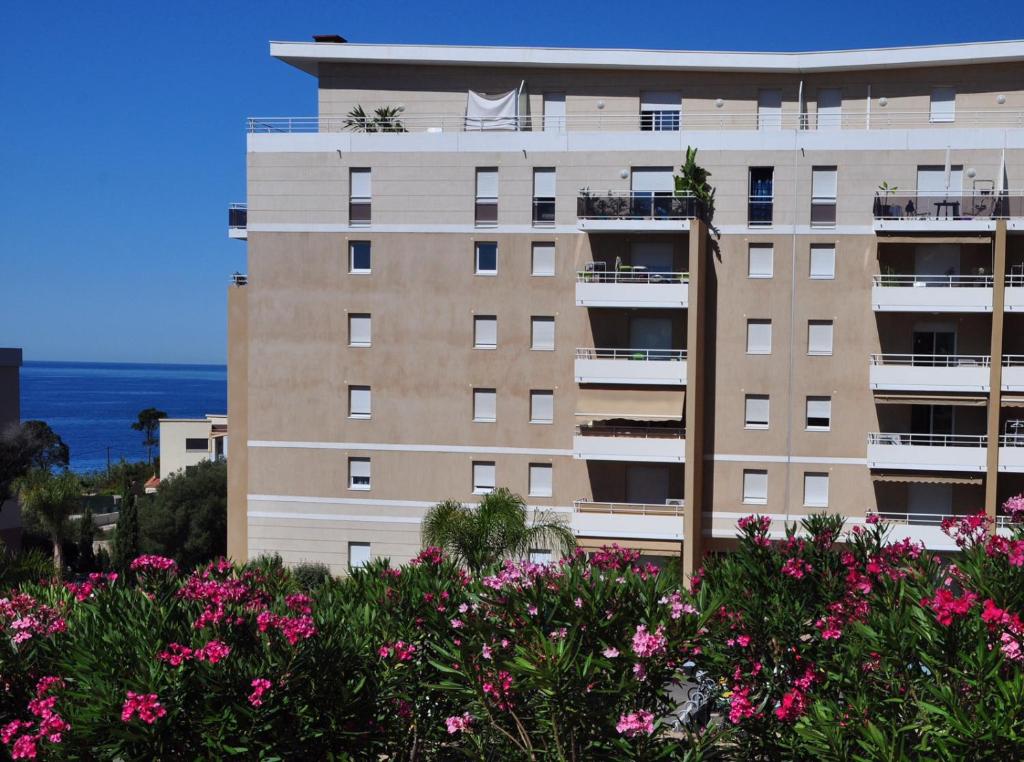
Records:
x=354, y=391
x=477, y=270
x=352, y=269
x=537, y=487
x=824, y=192
x=480, y=470
x=753, y=480
x=749, y=414
x=363, y=558
x=479, y=320
x=548, y=249
x=827, y=250
x=758, y=350
x=539, y=556
x=758, y=254
x=819, y=405
x=816, y=344
x=352, y=476
x=484, y=398
x=535, y=322
x=816, y=489
x=358, y=317
x=542, y=394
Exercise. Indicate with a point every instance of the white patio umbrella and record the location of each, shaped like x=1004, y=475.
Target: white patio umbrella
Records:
x=1001, y=181
x=947, y=169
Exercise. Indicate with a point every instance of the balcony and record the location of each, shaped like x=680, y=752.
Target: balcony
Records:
x=635, y=287
x=927, y=452
x=1011, y=453
x=662, y=367
x=932, y=293
x=929, y=373
x=964, y=211
x=633, y=521
x=1014, y=294
x=238, y=219
x=642, y=442
x=629, y=212
x=1013, y=373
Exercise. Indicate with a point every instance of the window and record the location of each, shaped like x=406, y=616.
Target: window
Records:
x=819, y=413
x=483, y=477
x=816, y=490
x=756, y=408
x=359, y=473
x=485, y=405
x=554, y=111
x=652, y=190
x=487, y=197
x=540, y=480
x=359, y=402
x=540, y=556
x=823, y=196
x=819, y=337
x=755, y=486
x=830, y=109
x=762, y=196
x=542, y=333
x=759, y=337
x=487, y=258
x=544, y=196
x=485, y=332
x=933, y=181
x=360, y=196
x=760, y=260
x=823, y=261
x=769, y=110
x=358, y=329
x=543, y=263
x=197, y=444
x=659, y=111
x=542, y=406
x=943, y=105
x=359, y=257
x=358, y=554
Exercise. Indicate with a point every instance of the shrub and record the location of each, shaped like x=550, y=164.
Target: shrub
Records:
x=310, y=576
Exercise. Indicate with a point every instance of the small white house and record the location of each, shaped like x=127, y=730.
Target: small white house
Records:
x=185, y=442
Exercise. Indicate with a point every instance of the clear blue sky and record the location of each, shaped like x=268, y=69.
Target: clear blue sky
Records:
x=123, y=132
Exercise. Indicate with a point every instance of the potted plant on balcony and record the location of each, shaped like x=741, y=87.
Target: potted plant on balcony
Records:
x=384, y=119
x=882, y=201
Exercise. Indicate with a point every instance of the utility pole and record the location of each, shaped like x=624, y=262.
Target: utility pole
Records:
x=108, y=461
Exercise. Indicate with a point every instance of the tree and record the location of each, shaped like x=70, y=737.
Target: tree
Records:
x=187, y=518
x=32, y=444
x=51, y=499
x=496, y=529
x=149, y=424
x=86, y=537
x=126, y=534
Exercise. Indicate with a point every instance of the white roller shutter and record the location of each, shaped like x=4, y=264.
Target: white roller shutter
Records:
x=823, y=262
x=761, y=261
x=816, y=490
x=359, y=332
x=755, y=487
x=540, y=479
x=359, y=401
x=931, y=180
x=485, y=405
x=769, y=109
x=483, y=477
x=358, y=554
x=362, y=185
x=543, y=259
x=544, y=183
x=542, y=333
x=485, y=331
x=759, y=337
x=661, y=100
x=542, y=406
x=819, y=337
x=652, y=180
x=830, y=109
x=943, y=105
x=486, y=183
x=757, y=411
x=359, y=473
x=824, y=183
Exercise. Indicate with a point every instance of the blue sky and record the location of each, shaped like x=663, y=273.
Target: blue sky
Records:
x=122, y=138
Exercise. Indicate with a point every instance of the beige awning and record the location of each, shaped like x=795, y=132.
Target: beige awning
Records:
x=635, y=404
x=981, y=237
x=963, y=400
x=1009, y=401
x=924, y=478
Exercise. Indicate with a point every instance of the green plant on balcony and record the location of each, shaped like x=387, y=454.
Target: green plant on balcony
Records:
x=692, y=181
x=384, y=119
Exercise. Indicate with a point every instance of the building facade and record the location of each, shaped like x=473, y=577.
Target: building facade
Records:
x=186, y=442
x=501, y=285
x=10, y=416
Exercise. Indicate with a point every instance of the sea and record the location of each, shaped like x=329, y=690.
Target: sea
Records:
x=92, y=405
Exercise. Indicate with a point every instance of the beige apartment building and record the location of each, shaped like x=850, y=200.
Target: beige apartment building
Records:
x=501, y=286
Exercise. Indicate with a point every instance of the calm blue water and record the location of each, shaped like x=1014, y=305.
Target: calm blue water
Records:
x=92, y=405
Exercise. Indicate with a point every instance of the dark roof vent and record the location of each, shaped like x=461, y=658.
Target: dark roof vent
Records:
x=328, y=38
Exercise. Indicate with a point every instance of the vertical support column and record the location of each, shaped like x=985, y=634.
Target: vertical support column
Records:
x=693, y=468
x=238, y=423
x=996, y=370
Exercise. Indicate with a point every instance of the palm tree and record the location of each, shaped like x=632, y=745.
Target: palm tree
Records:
x=52, y=498
x=384, y=119
x=496, y=529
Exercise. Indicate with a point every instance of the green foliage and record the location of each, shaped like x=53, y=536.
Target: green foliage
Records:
x=126, y=533
x=27, y=446
x=149, y=424
x=27, y=566
x=123, y=475
x=310, y=576
x=86, y=561
x=187, y=518
x=692, y=180
x=496, y=529
x=50, y=499
x=384, y=119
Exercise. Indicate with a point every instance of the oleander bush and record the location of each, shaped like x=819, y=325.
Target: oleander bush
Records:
x=826, y=644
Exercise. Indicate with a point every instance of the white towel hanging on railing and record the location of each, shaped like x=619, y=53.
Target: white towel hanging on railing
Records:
x=492, y=112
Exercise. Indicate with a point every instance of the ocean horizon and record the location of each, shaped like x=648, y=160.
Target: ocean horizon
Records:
x=92, y=405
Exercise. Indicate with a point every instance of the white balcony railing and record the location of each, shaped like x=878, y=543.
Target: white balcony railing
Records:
x=642, y=355
x=1011, y=453
x=927, y=452
x=668, y=508
x=632, y=275
x=1013, y=299
x=1013, y=373
x=636, y=287
x=719, y=119
x=932, y=293
x=627, y=521
x=639, y=443
x=938, y=373
x=663, y=367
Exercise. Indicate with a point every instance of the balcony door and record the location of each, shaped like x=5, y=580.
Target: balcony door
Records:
x=932, y=419
x=929, y=499
x=647, y=483
x=932, y=347
x=649, y=185
x=936, y=263
x=652, y=334
x=652, y=257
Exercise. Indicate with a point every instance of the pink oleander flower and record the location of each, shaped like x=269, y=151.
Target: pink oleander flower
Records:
x=485, y=652
x=558, y=634
x=146, y=705
x=646, y=644
x=793, y=704
x=639, y=672
x=740, y=707
x=531, y=610
x=154, y=563
x=678, y=607
x=404, y=651
x=213, y=652
x=1011, y=647
x=871, y=518
x=992, y=614
x=432, y=556
x=1014, y=507
x=175, y=654
x=259, y=686
x=456, y=624
x=947, y=606
x=636, y=723
x=12, y=728
x=299, y=603
x=24, y=748
x=459, y=723
x=830, y=628
x=796, y=568
x=610, y=653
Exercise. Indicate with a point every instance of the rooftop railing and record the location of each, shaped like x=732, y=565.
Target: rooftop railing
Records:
x=636, y=205
x=931, y=361
x=238, y=215
x=927, y=440
x=932, y=519
x=630, y=354
x=933, y=281
x=638, y=431
x=719, y=119
x=952, y=205
x=631, y=275
x=669, y=508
